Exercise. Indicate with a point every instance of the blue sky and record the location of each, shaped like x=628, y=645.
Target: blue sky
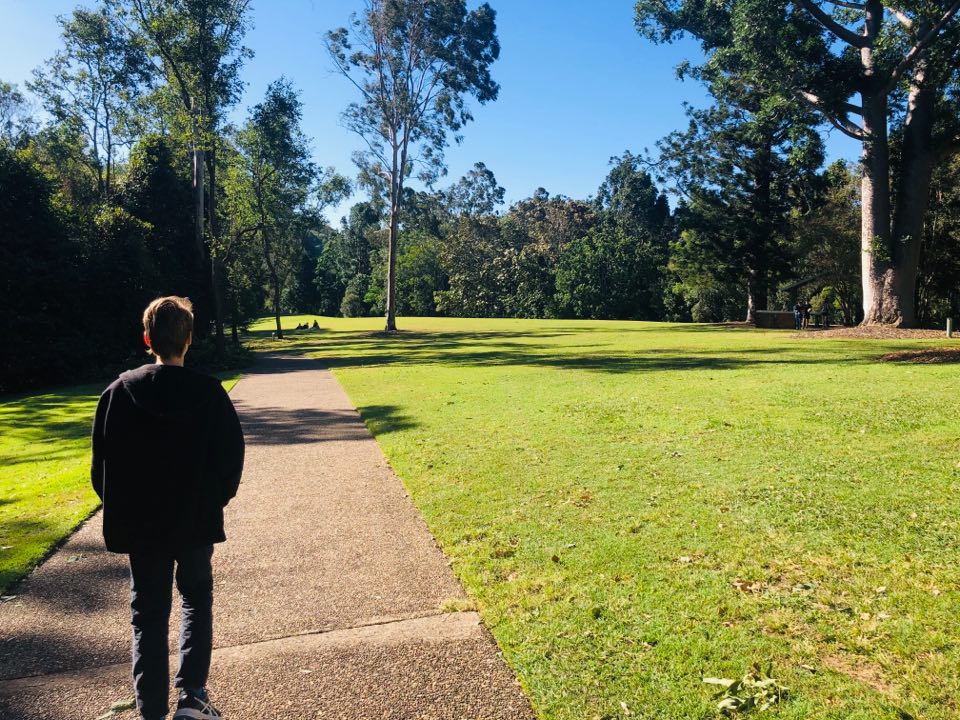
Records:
x=577, y=85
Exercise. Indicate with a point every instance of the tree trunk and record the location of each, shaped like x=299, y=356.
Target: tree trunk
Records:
x=875, y=211
x=391, y=310
x=276, y=305
x=912, y=199
x=203, y=314
x=751, y=304
x=199, y=167
x=216, y=264
x=234, y=323
x=757, y=294
x=396, y=187
x=272, y=269
x=761, y=230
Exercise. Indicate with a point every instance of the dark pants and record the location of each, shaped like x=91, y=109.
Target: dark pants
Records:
x=151, y=588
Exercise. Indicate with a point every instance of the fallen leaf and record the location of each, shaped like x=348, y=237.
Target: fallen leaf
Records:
x=723, y=682
x=748, y=586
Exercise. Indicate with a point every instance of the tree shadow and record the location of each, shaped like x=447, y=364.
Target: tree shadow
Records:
x=46, y=427
x=299, y=426
x=50, y=624
x=522, y=348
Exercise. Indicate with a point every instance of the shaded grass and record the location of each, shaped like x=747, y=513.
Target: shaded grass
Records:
x=44, y=472
x=634, y=506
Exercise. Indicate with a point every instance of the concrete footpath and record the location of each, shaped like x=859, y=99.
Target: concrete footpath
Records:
x=328, y=591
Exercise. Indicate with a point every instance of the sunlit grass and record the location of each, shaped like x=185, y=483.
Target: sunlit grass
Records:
x=636, y=506
x=45, y=487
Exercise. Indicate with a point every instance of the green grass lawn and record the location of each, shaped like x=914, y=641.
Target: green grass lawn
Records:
x=636, y=506
x=45, y=472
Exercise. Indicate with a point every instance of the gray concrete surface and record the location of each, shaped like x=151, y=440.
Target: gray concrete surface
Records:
x=328, y=591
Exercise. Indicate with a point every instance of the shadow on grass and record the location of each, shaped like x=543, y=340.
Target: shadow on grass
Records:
x=526, y=348
x=53, y=417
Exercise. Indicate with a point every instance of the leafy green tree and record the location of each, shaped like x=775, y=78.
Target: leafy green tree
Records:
x=197, y=45
x=479, y=262
x=16, y=119
x=37, y=275
x=346, y=254
x=903, y=63
x=424, y=224
x=826, y=241
x=355, y=303
x=628, y=199
x=277, y=188
x=420, y=273
x=156, y=191
x=609, y=275
x=536, y=231
x=746, y=162
x=706, y=282
x=91, y=83
x=476, y=193
x=938, y=288
x=413, y=63
x=302, y=294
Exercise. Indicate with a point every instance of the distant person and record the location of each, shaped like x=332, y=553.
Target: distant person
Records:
x=167, y=458
x=807, y=309
x=316, y=325
x=798, y=315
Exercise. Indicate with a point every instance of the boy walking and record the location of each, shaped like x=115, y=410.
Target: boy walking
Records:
x=167, y=458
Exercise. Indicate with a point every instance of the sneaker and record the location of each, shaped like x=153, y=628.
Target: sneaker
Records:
x=195, y=707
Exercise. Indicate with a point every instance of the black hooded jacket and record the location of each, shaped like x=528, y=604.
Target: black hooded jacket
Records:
x=167, y=458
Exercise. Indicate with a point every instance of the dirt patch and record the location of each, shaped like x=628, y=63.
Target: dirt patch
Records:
x=873, y=332
x=861, y=670
x=932, y=355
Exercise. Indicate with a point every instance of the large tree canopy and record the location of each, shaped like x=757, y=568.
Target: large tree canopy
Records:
x=414, y=62
x=886, y=74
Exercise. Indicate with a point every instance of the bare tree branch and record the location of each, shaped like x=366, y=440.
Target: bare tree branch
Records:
x=901, y=16
x=843, y=124
x=824, y=18
x=849, y=5
x=922, y=44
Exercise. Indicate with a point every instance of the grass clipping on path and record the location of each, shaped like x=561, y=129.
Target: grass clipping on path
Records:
x=635, y=506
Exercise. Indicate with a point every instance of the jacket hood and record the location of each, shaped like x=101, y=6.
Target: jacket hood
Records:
x=167, y=390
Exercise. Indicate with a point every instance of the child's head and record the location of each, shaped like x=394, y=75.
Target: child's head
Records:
x=168, y=326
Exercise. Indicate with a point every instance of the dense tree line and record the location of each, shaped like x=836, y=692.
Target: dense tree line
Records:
x=122, y=178
x=132, y=184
